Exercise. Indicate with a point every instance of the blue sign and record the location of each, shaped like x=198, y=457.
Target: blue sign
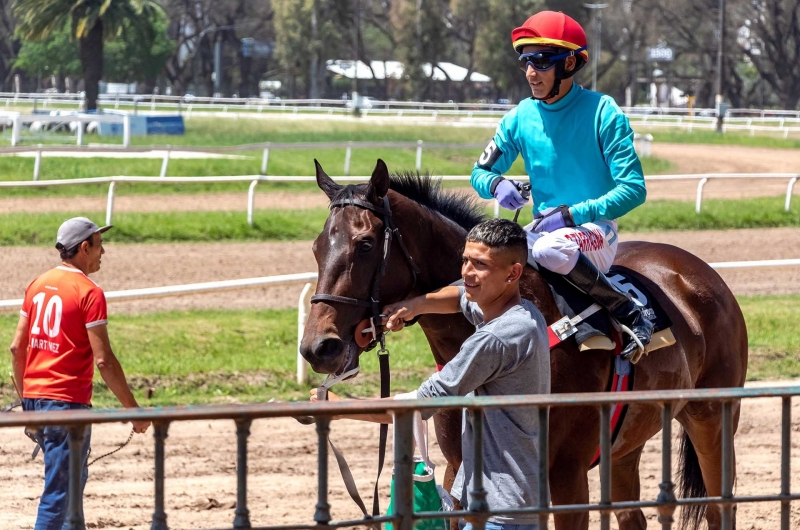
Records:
x=165, y=125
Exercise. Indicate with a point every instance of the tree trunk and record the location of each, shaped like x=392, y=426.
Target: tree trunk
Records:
x=91, y=54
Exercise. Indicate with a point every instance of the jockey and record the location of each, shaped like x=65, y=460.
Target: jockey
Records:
x=577, y=146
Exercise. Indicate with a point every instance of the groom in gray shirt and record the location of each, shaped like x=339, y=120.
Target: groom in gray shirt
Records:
x=507, y=355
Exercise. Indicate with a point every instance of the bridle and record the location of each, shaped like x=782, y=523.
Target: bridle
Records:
x=374, y=302
x=378, y=336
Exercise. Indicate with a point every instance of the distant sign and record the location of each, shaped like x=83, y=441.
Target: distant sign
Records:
x=660, y=54
x=256, y=48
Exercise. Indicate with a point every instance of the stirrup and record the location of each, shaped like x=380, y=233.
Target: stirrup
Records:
x=640, y=351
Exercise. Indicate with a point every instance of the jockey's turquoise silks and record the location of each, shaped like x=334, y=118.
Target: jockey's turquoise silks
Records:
x=578, y=151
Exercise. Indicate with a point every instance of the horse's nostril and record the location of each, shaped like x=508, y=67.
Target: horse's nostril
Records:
x=326, y=348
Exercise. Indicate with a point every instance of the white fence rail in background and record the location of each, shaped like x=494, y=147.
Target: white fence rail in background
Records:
x=154, y=101
x=309, y=281
x=17, y=121
x=642, y=144
x=254, y=180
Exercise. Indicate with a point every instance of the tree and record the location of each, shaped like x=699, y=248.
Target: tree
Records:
x=92, y=22
x=58, y=55
x=140, y=58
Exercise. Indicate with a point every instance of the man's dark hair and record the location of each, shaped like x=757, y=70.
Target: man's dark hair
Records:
x=503, y=235
x=69, y=253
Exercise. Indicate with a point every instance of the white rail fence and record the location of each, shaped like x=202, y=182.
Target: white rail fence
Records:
x=254, y=180
x=642, y=143
x=155, y=100
x=309, y=280
x=18, y=120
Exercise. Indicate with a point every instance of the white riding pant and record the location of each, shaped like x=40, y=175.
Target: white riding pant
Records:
x=558, y=251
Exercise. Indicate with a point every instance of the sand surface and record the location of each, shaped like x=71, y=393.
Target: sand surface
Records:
x=201, y=473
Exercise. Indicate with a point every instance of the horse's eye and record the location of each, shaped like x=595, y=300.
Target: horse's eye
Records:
x=364, y=247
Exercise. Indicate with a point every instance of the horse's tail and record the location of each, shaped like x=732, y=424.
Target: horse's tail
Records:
x=691, y=484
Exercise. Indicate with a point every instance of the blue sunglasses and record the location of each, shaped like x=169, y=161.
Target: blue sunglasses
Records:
x=544, y=60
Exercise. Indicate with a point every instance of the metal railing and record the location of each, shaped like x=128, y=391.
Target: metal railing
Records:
x=402, y=411
x=254, y=180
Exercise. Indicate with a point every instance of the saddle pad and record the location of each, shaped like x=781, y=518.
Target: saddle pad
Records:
x=631, y=282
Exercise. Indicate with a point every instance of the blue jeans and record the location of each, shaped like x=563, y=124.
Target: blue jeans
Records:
x=53, y=504
x=497, y=526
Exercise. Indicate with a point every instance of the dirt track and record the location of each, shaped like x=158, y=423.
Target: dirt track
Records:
x=201, y=479
x=138, y=266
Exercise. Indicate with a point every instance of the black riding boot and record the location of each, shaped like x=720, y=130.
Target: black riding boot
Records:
x=586, y=277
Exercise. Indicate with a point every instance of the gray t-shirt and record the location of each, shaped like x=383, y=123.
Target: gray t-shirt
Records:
x=509, y=355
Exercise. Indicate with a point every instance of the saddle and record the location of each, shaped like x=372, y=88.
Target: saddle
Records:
x=590, y=324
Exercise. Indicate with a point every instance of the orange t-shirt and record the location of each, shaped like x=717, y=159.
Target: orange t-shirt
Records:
x=61, y=305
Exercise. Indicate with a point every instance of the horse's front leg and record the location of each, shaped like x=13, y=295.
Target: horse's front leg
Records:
x=448, y=434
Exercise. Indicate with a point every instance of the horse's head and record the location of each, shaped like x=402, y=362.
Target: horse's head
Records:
x=350, y=253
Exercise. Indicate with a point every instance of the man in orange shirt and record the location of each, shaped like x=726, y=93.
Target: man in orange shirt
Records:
x=61, y=330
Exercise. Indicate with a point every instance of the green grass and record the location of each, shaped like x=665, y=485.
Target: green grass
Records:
x=211, y=356
x=269, y=225
x=207, y=356
x=216, y=133
x=712, y=137
x=304, y=225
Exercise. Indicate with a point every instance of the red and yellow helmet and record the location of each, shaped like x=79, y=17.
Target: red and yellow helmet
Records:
x=550, y=28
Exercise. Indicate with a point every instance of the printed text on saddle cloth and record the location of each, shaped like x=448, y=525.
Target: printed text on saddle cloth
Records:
x=558, y=251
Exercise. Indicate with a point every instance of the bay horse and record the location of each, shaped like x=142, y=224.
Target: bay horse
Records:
x=710, y=352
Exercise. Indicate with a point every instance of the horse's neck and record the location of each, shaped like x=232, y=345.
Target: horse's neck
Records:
x=435, y=243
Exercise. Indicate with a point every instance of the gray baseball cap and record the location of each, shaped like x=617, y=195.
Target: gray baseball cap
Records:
x=73, y=232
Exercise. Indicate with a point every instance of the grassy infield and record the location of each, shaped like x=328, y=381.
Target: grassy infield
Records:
x=249, y=355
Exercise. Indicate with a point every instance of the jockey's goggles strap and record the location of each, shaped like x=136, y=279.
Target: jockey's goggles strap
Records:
x=544, y=60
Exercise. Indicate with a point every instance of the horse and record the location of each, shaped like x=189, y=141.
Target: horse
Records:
x=429, y=227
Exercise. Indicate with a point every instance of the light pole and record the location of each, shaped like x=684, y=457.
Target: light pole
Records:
x=595, y=48
x=720, y=63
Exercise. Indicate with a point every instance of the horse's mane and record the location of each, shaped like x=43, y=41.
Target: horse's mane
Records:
x=462, y=209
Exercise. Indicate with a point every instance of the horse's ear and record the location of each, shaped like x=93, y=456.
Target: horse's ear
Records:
x=325, y=183
x=379, y=182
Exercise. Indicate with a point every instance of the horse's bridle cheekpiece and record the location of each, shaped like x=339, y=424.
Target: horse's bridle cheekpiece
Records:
x=374, y=302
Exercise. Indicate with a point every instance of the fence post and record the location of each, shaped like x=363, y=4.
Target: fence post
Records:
x=110, y=203
x=242, y=514
x=404, y=469
x=605, y=466
x=727, y=464
x=264, y=160
x=496, y=209
x=698, y=204
x=16, y=130
x=667, y=493
x=478, y=506
x=789, y=190
x=126, y=130
x=303, y=308
x=164, y=164
x=159, y=516
x=544, y=464
x=419, y=155
x=37, y=165
x=348, y=152
x=786, y=459
x=322, y=515
x=74, y=513
x=251, y=202
x=80, y=133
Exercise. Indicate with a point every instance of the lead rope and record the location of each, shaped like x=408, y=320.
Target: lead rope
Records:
x=121, y=446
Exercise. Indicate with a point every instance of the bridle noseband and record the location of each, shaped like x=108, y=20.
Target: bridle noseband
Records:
x=374, y=302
